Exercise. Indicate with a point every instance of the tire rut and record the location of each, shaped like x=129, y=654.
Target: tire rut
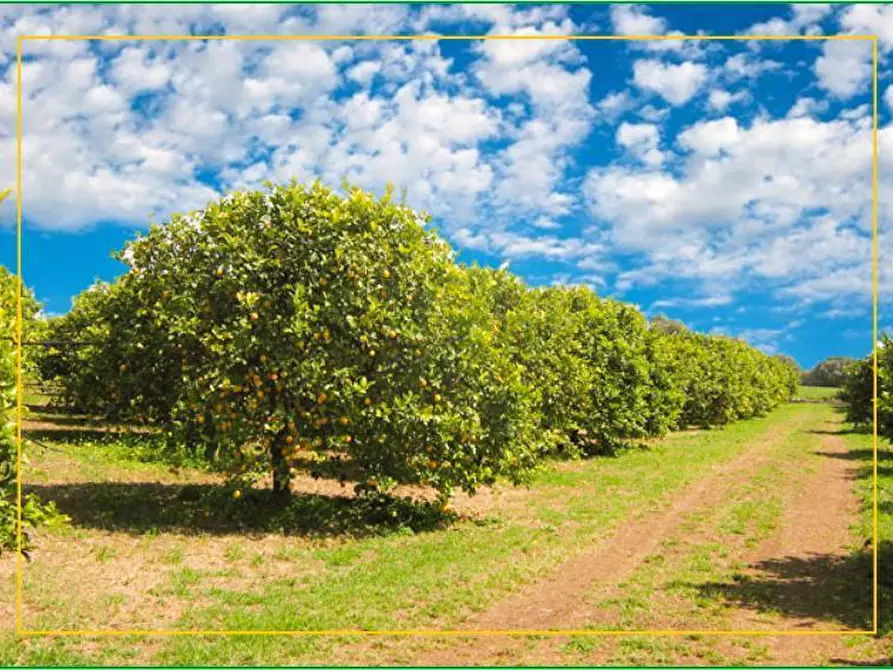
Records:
x=558, y=602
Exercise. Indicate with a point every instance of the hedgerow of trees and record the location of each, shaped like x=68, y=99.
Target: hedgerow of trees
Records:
x=297, y=322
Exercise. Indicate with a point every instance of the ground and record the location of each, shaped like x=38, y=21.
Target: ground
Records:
x=760, y=526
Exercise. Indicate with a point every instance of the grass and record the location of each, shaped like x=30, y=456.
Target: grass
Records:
x=861, y=449
x=696, y=580
x=202, y=561
x=818, y=392
x=670, y=588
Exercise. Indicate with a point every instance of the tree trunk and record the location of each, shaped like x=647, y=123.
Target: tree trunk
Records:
x=281, y=479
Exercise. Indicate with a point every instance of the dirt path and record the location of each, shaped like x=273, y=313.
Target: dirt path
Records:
x=801, y=571
x=558, y=602
x=804, y=567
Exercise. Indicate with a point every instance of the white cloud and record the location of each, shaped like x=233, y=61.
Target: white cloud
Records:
x=675, y=83
x=708, y=138
x=707, y=301
x=807, y=106
x=118, y=131
x=720, y=100
x=363, y=73
x=634, y=20
x=869, y=19
x=844, y=68
x=654, y=114
x=785, y=200
x=804, y=19
x=516, y=246
x=614, y=105
x=804, y=15
x=746, y=66
x=641, y=140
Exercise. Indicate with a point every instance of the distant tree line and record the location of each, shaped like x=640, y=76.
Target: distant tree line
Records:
x=831, y=372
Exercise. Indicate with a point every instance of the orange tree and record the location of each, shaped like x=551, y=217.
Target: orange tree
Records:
x=858, y=390
x=710, y=380
x=34, y=512
x=587, y=358
x=296, y=322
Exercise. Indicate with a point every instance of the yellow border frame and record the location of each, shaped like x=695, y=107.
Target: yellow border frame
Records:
x=368, y=633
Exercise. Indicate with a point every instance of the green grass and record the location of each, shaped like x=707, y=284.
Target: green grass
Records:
x=694, y=581
x=405, y=576
x=686, y=580
x=861, y=447
x=818, y=392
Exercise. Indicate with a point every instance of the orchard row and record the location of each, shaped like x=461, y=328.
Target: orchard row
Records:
x=297, y=322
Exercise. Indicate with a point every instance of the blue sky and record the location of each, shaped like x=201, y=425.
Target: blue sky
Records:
x=724, y=184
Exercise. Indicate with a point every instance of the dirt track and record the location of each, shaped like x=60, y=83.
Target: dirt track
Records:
x=798, y=563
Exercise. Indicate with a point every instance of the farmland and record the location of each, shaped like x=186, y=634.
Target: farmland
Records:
x=754, y=526
x=323, y=422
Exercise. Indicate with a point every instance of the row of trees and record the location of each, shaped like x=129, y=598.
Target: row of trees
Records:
x=298, y=322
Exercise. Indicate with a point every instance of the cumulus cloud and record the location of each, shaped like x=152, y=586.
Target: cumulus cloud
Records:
x=720, y=99
x=784, y=200
x=675, y=83
x=642, y=141
x=502, y=143
x=844, y=67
